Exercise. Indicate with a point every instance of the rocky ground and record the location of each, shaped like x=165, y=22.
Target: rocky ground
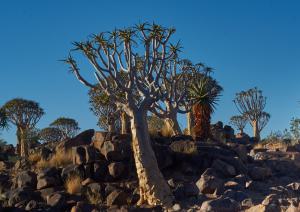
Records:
x=204, y=176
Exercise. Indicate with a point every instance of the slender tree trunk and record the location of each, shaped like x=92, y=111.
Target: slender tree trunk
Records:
x=153, y=188
x=241, y=131
x=18, y=133
x=173, y=126
x=111, y=123
x=23, y=144
x=256, y=133
x=190, y=122
x=124, y=123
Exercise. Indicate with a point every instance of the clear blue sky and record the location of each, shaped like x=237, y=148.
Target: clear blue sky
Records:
x=249, y=43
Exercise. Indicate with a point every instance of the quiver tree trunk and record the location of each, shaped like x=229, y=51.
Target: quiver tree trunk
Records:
x=23, y=144
x=18, y=134
x=153, y=188
x=124, y=123
x=202, y=114
x=256, y=133
x=190, y=122
x=111, y=123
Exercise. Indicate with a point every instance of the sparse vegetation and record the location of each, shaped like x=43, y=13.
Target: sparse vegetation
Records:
x=59, y=159
x=73, y=184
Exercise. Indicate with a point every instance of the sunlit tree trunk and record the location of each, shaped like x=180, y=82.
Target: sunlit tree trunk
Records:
x=23, y=144
x=153, y=188
x=190, y=122
x=124, y=123
x=256, y=133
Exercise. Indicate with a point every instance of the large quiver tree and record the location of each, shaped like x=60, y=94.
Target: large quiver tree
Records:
x=24, y=114
x=142, y=52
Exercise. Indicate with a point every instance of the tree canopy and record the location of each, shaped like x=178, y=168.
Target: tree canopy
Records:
x=68, y=126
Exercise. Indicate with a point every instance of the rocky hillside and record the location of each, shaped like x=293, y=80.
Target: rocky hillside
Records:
x=96, y=172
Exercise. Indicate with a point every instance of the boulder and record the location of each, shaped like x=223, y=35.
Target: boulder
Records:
x=100, y=170
x=26, y=179
x=84, y=138
x=49, y=177
x=221, y=204
x=44, y=193
x=116, y=169
x=93, y=192
x=163, y=156
x=72, y=169
x=20, y=195
x=260, y=173
x=209, y=183
x=31, y=205
x=117, y=150
x=117, y=197
x=223, y=168
x=78, y=155
x=57, y=201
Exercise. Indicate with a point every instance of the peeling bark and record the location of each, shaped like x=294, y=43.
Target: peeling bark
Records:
x=153, y=188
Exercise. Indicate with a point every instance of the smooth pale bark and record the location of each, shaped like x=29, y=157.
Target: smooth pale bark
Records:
x=190, y=122
x=153, y=188
x=256, y=133
x=23, y=144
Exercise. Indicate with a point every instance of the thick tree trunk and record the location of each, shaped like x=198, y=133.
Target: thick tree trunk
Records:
x=124, y=123
x=202, y=121
x=153, y=188
x=190, y=122
x=256, y=133
x=23, y=144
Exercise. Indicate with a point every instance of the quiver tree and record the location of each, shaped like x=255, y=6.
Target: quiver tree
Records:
x=105, y=109
x=50, y=134
x=204, y=95
x=251, y=103
x=3, y=119
x=24, y=114
x=69, y=127
x=239, y=122
x=175, y=86
x=142, y=52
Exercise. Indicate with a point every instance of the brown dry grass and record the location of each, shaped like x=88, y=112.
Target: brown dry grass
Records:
x=59, y=159
x=166, y=131
x=34, y=157
x=73, y=184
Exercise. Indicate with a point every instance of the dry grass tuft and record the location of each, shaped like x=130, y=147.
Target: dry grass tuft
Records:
x=59, y=159
x=73, y=184
x=166, y=131
x=35, y=157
